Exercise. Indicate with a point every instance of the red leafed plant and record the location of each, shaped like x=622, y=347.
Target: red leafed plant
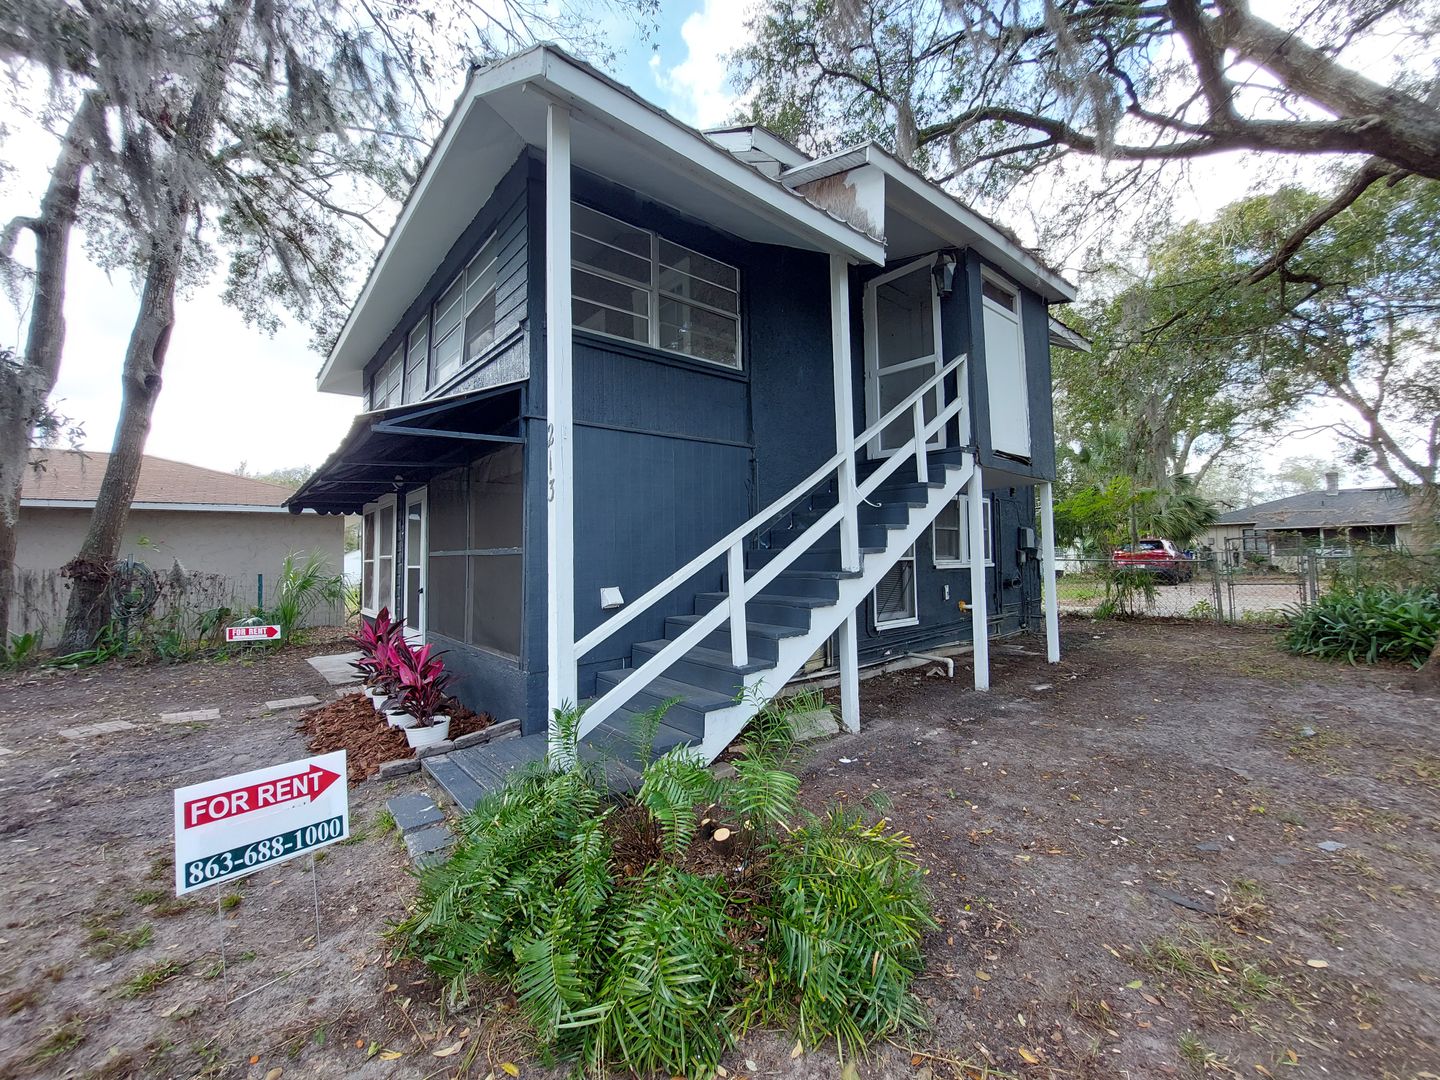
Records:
x=423, y=680
x=381, y=642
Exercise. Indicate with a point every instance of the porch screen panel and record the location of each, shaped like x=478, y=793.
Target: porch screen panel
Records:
x=475, y=589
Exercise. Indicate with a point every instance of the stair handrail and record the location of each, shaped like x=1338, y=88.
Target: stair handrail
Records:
x=740, y=589
x=647, y=600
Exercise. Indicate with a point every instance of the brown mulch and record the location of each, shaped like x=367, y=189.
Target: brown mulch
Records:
x=351, y=724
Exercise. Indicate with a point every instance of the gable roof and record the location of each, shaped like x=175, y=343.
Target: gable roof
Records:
x=619, y=135
x=71, y=478
x=1326, y=510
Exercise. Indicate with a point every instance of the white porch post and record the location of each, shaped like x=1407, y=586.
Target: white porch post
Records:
x=846, y=642
x=844, y=409
x=1047, y=570
x=562, y=682
x=979, y=597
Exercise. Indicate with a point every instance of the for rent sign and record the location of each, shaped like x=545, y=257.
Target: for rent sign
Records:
x=229, y=827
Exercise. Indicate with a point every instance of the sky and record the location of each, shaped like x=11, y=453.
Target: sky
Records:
x=233, y=394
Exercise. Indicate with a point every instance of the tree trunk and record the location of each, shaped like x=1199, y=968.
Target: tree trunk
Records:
x=25, y=385
x=90, y=571
x=1427, y=679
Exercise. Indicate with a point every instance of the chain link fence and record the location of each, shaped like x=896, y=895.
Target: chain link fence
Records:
x=1209, y=587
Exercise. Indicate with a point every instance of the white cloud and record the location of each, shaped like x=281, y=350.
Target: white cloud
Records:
x=698, y=86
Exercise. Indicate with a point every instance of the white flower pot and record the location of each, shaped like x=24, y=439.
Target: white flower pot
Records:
x=400, y=718
x=379, y=700
x=436, y=731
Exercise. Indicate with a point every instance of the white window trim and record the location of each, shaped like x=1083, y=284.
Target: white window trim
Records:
x=654, y=294
x=963, y=503
x=375, y=508
x=870, y=309
x=432, y=373
x=914, y=620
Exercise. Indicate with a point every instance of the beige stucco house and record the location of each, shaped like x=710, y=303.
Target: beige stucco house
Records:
x=207, y=521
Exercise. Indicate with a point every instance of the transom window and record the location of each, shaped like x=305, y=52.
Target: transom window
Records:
x=634, y=284
x=951, y=533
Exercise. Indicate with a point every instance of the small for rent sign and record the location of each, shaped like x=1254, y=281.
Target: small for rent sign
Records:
x=227, y=828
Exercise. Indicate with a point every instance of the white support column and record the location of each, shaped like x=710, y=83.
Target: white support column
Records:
x=979, y=596
x=847, y=643
x=562, y=682
x=1047, y=571
x=844, y=410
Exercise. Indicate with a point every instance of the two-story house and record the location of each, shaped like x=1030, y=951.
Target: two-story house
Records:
x=656, y=413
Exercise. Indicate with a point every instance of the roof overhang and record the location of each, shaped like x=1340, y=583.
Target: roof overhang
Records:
x=392, y=449
x=1062, y=337
x=613, y=133
x=917, y=214
x=214, y=508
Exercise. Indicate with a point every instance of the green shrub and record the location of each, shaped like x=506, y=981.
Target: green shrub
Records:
x=1369, y=623
x=637, y=938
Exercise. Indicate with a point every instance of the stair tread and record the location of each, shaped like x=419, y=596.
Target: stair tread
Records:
x=775, y=598
x=670, y=688
x=716, y=658
x=791, y=571
x=764, y=629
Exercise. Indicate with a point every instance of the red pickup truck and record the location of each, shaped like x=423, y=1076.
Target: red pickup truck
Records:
x=1167, y=561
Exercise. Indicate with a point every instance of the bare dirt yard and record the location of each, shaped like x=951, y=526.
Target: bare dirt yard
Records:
x=1177, y=853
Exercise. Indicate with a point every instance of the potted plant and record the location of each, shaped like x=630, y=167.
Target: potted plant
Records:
x=392, y=659
x=423, y=680
x=375, y=640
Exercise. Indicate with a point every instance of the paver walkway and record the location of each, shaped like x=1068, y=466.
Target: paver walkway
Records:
x=335, y=668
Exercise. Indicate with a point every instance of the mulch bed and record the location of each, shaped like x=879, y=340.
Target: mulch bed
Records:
x=351, y=724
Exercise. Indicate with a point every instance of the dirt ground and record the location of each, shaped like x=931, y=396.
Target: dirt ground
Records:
x=1124, y=853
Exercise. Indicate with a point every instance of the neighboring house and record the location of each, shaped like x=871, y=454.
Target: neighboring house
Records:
x=208, y=521
x=1324, y=521
x=631, y=386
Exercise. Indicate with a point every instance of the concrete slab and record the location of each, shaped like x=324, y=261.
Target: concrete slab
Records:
x=428, y=841
x=812, y=725
x=414, y=811
x=109, y=727
x=194, y=716
x=291, y=703
x=336, y=669
x=5, y=750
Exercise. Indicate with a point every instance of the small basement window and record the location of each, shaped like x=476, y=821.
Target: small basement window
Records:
x=895, y=595
x=633, y=284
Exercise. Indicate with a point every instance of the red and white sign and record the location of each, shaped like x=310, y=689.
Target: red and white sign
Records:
x=220, y=805
x=235, y=825
x=252, y=633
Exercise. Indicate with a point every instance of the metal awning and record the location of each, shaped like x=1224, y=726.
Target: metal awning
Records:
x=400, y=447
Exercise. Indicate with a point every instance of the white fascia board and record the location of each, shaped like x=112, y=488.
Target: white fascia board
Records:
x=517, y=69
x=89, y=504
x=989, y=240
x=712, y=167
x=1061, y=336
x=753, y=136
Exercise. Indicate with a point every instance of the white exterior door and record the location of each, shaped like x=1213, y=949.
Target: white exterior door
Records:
x=417, y=543
x=1009, y=398
x=902, y=350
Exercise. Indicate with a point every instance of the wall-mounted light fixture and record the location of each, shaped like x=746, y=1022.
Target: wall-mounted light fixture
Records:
x=945, y=265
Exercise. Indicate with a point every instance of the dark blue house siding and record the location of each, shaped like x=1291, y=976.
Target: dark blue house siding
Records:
x=504, y=213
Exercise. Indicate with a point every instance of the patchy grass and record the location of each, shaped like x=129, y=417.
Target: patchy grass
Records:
x=231, y=900
x=1370, y=818
x=61, y=1041
x=1314, y=749
x=21, y=1000
x=150, y=978
x=1423, y=771
x=1211, y=970
x=1243, y=904
x=147, y=897
x=1200, y=1058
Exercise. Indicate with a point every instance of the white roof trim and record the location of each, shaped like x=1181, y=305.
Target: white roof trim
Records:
x=596, y=97
x=988, y=239
x=1066, y=338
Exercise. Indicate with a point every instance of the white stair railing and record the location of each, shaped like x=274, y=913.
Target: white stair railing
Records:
x=739, y=589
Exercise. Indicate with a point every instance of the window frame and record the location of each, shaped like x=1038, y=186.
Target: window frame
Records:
x=370, y=553
x=962, y=504
x=910, y=556
x=654, y=294
x=466, y=308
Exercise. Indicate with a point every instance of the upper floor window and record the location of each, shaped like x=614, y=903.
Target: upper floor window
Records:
x=464, y=316
x=634, y=284
x=385, y=387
